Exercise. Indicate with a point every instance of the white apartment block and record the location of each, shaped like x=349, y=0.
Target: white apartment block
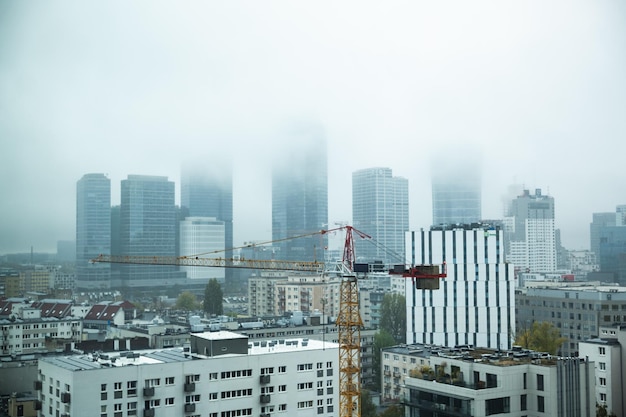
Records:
x=475, y=304
x=479, y=382
x=609, y=356
x=221, y=375
x=27, y=332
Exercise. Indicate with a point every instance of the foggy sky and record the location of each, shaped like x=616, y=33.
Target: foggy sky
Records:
x=138, y=87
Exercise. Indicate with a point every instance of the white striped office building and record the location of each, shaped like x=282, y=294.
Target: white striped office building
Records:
x=475, y=304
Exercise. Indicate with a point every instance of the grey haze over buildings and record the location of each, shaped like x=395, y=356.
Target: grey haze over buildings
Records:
x=136, y=88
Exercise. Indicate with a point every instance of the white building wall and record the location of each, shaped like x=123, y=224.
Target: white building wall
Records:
x=475, y=302
x=608, y=373
x=308, y=385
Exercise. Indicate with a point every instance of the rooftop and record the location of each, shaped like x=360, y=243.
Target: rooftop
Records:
x=81, y=362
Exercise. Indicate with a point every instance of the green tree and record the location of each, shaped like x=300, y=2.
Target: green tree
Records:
x=541, y=336
x=368, y=408
x=382, y=339
x=213, y=298
x=393, y=316
x=395, y=410
x=186, y=301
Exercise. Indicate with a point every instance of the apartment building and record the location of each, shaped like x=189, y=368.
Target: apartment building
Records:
x=467, y=381
x=220, y=374
x=578, y=312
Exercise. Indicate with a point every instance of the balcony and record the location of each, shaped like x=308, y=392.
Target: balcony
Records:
x=190, y=387
x=65, y=397
x=148, y=412
x=265, y=379
x=190, y=408
x=148, y=392
x=265, y=399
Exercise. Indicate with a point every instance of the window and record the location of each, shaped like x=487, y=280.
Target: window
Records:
x=282, y=369
x=305, y=385
x=153, y=403
x=192, y=398
x=155, y=382
x=541, y=407
x=169, y=401
x=602, y=366
x=236, y=374
x=282, y=388
x=282, y=407
x=192, y=378
x=523, y=402
x=497, y=406
x=540, y=382
x=603, y=397
x=525, y=380
x=603, y=381
x=305, y=404
x=305, y=367
x=602, y=350
x=492, y=380
x=131, y=390
x=169, y=380
x=131, y=409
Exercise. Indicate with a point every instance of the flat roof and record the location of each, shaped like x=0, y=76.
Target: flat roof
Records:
x=220, y=335
x=82, y=362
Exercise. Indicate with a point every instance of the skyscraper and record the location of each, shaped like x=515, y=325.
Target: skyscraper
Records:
x=202, y=235
x=93, y=230
x=600, y=220
x=456, y=188
x=475, y=303
x=147, y=227
x=207, y=191
x=300, y=195
x=380, y=208
x=530, y=232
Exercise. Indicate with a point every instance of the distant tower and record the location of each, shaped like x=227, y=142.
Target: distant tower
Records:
x=476, y=302
x=380, y=208
x=531, y=232
x=93, y=231
x=600, y=220
x=456, y=187
x=203, y=235
x=300, y=195
x=207, y=191
x=147, y=227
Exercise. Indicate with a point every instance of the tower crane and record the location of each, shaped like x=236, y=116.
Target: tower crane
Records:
x=348, y=322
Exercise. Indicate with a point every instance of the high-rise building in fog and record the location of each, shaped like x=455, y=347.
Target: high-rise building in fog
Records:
x=148, y=227
x=530, y=232
x=207, y=191
x=475, y=303
x=600, y=220
x=380, y=208
x=202, y=235
x=456, y=188
x=608, y=241
x=93, y=230
x=300, y=195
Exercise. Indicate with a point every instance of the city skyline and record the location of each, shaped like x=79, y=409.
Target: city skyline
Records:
x=102, y=93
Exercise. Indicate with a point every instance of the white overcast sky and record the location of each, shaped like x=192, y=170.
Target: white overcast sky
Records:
x=136, y=87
